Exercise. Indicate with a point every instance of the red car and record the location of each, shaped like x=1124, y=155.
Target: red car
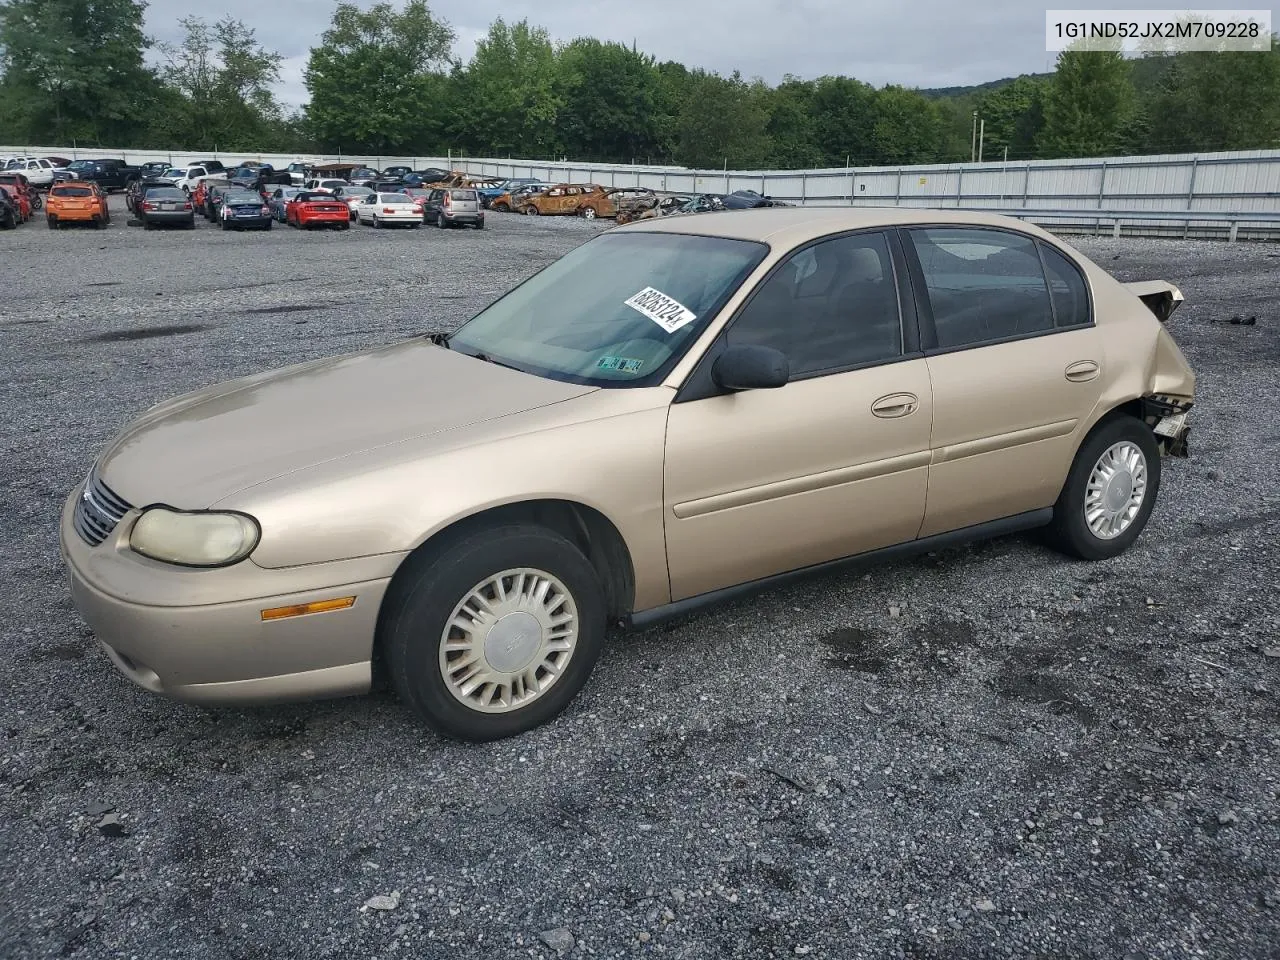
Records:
x=309, y=210
x=18, y=183
x=418, y=195
x=19, y=201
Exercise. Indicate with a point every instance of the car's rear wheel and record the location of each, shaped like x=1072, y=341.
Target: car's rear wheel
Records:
x=587, y=213
x=495, y=634
x=440, y=221
x=530, y=211
x=1110, y=491
x=52, y=221
x=479, y=224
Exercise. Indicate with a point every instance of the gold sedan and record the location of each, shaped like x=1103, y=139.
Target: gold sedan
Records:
x=675, y=411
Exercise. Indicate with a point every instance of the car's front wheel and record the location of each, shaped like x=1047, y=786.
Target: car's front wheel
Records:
x=495, y=634
x=1110, y=491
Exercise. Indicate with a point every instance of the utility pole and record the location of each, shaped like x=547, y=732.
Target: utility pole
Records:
x=982, y=132
x=973, y=139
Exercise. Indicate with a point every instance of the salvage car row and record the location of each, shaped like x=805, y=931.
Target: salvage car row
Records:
x=396, y=195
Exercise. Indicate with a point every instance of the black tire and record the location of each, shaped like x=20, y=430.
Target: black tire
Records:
x=479, y=224
x=53, y=222
x=440, y=221
x=425, y=595
x=147, y=224
x=1069, y=532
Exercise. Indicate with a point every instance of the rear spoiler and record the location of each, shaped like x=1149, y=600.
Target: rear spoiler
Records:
x=1160, y=296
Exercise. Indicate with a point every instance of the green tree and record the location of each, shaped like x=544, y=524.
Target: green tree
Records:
x=791, y=125
x=377, y=79
x=907, y=127
x=73, y=70
x=671, y=93
x=1217, y=101
x=608, y=94
x=507, y=100
x=725, y=120
x=1014, y=115
x=223, y=79
x=1089, y=105
x=844, y=120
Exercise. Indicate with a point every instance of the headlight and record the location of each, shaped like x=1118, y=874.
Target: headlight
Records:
x=194, y=539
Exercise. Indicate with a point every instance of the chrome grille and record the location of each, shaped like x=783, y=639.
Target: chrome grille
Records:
x=98, y=510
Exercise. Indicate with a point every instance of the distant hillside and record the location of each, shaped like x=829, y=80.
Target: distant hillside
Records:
x=938, y=93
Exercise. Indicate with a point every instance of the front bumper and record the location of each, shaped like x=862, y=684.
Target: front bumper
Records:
x=199, y=636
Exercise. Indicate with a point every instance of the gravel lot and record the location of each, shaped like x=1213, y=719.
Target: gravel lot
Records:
x=1035, y=758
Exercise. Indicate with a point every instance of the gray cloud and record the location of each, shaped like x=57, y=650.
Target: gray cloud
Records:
x=927, y=43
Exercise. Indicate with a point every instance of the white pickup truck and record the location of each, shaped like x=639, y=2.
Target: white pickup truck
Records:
x=37, y=170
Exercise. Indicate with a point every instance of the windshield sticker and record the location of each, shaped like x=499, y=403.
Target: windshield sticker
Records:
x=621, y=364
x=667, y=313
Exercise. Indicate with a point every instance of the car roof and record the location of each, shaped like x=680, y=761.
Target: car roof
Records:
x=791, y=226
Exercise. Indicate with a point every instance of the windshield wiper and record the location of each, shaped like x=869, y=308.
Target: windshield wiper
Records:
x=497, y=363
x=439, y=338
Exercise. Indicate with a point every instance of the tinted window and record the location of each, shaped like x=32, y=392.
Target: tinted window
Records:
x=829, y=306
x=1070, y=295
x=72, y=192
x=464, y=194
x=983, y=285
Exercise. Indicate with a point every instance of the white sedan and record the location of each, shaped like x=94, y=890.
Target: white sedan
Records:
x=381, y=209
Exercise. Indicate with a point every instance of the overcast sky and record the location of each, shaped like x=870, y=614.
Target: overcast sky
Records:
x=924, y=43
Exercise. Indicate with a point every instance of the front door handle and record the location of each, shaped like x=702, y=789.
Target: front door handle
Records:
x=895, y=405
x=1082, y=370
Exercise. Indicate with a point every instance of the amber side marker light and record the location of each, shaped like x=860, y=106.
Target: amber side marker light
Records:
x=301, y=609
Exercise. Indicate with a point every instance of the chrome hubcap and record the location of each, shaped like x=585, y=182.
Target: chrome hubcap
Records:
x=1117, y=487
x=509, y=640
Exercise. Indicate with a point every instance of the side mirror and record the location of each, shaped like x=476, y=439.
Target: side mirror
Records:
x=751, y=367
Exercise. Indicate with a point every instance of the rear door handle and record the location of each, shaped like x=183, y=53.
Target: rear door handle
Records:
x=895, y=405
x=1082, y=370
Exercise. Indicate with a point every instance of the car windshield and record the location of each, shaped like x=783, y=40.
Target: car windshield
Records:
x=396, y=198
x=617, y=311
x=242, y=196
x=165, y=193
x=72, y=192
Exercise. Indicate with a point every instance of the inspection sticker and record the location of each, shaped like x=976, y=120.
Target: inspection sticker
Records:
x=667, y=313
x=624, y=364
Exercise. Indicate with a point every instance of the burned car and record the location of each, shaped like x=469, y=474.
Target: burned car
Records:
x=560, y=200
x=608, y=202
x=697, y=406
x=512, y=199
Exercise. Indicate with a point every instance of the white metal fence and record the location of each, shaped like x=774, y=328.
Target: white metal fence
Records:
x=1241, y=189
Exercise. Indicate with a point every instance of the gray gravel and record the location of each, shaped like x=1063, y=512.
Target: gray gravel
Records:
x=1034, y=758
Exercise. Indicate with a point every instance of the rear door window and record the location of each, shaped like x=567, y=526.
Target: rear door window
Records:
x=983, y=285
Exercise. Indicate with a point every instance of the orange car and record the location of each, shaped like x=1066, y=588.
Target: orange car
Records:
x=563, y=199
x=77, y=201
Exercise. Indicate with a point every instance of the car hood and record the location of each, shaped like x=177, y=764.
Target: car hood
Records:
x=199, y=448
